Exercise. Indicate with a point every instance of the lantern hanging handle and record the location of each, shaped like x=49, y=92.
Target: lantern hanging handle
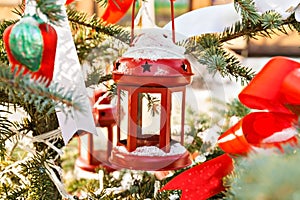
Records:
x=132, y=21
x=172, y=19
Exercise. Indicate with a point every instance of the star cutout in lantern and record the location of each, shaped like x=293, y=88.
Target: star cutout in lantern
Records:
x=146, y=67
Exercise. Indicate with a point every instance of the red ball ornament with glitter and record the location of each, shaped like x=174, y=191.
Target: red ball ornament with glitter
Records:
x=31, y=46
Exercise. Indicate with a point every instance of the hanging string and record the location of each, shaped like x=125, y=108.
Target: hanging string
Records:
x=132, y=22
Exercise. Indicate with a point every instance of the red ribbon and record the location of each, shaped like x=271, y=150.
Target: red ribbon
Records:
x=115, y=10
x=274, y=86
x=276, y=89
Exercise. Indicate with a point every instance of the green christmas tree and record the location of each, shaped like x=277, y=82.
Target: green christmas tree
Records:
x=30, y=149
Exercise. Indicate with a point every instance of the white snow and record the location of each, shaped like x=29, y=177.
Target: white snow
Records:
x=153, y=44
x=176, y=149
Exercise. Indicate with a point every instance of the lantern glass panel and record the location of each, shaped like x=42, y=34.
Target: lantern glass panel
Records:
x=123, y=112
x=176, y=116
x=151, y=113
x=84, y=150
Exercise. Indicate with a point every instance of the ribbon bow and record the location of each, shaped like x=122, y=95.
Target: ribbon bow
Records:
x=275, y=89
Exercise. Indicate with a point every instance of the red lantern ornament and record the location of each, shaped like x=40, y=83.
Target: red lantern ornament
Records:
x=94, y=151
x=31, y=45
x=145, y=139
x=151, y=80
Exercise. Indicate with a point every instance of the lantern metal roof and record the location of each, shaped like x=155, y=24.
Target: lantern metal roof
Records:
x=153, y=59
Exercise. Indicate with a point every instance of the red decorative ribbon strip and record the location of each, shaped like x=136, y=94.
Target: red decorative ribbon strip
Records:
x=276, y=89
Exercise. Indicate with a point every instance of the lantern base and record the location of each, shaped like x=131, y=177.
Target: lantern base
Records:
x=149, y=163
x=92, y=167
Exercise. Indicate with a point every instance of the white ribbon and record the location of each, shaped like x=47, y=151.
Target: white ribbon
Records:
x=68, y=75
x=284, y=8
x=210, y=19
x=145, y=15
x=214, y=19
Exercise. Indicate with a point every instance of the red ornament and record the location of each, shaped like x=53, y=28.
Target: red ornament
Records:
x=69, y=1
x=165, y=78
x=115, y=10
x=46, y=66
x=202, y=181
x=91, y=154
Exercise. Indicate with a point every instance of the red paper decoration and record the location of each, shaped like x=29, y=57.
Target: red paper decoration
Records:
x=290, y=87
x=115, y=10
x=233, y=140
x=69, y=1
x=202, y=181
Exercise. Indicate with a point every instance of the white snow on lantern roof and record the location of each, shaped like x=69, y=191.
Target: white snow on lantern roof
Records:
x=176, y=149
x=153, y=44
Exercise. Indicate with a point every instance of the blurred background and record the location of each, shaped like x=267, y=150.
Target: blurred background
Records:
x=285, y=45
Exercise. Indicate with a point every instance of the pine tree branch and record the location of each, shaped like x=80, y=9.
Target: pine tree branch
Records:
x=208, y=50
x=105, y=78
x=270, y=22
x=20, y=88
x=5, y=133
x=52, y=10
x=86, y=41
x=248, y=11
x=80, y=20
x=102, y=2
x=3, y=25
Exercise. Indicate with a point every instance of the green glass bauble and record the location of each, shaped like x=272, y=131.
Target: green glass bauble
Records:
x=26, y=42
